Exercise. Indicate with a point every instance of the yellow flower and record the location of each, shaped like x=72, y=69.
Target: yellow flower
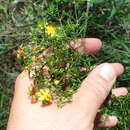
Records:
x=33, y=58
x=18, y=56
x=56, y=82
x=50, y=30
x=45, y=96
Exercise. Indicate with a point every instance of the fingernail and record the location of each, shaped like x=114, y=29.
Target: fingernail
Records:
x=107, y=72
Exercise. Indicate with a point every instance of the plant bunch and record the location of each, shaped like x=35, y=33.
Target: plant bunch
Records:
x=53, y=64
x=51, y=61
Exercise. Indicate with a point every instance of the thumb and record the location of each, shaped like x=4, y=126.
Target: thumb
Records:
x=96, y=87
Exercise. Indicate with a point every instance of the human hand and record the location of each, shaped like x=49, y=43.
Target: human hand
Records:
x=81, y=113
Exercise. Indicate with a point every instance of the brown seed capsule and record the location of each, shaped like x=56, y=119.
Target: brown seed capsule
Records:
x=45, y=72
x=34, y=99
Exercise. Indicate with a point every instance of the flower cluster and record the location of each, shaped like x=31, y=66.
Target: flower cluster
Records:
x=50, y=63
x=50, y=29
x=34, y=54
x=39, y=94
x=44, y=96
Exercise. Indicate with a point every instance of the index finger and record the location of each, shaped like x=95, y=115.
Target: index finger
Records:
x=90, y=45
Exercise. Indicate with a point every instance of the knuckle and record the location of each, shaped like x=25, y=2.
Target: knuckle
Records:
x=99, y=89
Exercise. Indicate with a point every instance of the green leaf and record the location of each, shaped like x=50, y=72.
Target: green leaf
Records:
x=97, y=1
x=2, y=7
x=113, y=12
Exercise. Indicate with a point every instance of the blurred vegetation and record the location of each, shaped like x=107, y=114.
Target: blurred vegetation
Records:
x=108, y=20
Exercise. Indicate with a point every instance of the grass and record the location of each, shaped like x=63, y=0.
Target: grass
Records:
x=104, y=19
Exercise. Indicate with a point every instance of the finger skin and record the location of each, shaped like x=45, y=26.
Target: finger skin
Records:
x=112, y=119
x=95, y=89
x=119, y=69
x=105, y=121
x=93, y=45
x=19, y=116
x=78, y=115
x=111, y=122
x=90, y=45
x=120, y=91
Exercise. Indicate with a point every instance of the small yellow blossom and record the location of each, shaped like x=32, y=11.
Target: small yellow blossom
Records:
x=27, y=68
x=18, y=55
x=33, y=58
x=50, y=30
x=45, y=96
x=56, y=82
